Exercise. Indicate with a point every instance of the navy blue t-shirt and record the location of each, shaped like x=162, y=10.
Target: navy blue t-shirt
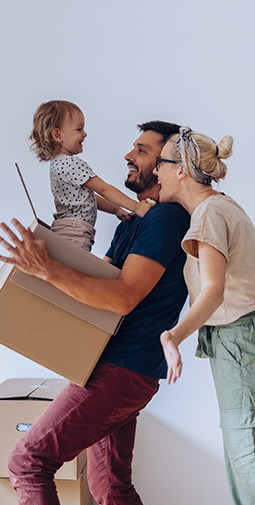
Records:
x=157, y=236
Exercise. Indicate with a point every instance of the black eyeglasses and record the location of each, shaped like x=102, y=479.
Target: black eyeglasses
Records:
x=160, y=160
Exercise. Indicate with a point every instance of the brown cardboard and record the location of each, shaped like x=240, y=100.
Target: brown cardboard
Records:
x=72, y=492
x=21, y=403
x=46, y=325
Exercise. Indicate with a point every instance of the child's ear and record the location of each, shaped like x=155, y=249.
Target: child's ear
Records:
x=56, y=135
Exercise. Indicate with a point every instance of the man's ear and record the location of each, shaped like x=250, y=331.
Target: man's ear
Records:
x=56, y=135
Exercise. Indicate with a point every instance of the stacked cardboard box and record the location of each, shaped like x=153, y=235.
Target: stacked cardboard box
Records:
x=72, y=492
x=21, y=403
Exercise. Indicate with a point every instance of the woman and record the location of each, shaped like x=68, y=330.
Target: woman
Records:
x=220, y=276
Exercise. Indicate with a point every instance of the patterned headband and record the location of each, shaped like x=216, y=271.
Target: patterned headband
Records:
x=190, y=156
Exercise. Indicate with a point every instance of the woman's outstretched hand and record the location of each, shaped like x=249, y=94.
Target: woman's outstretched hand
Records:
x=172, y=355
x=28, y=253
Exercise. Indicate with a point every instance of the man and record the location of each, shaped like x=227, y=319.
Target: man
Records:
x=150, y=292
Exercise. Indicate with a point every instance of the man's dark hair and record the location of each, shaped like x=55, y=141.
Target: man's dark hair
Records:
x=162, y=127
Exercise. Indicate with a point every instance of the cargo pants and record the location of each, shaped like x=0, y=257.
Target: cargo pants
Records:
x=231, y=349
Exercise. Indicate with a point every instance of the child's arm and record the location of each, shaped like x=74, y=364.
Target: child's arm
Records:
x=116, y=196
x=111, y=208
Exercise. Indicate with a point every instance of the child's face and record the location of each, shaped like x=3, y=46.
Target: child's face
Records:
x=72, y=134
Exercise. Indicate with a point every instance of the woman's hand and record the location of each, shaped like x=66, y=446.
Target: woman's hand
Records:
x=172, y=355
x=28, y=254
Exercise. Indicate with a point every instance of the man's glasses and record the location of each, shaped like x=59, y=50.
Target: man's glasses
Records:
x=160, y=160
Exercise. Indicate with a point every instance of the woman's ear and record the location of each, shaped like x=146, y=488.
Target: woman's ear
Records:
x=180, y=172
x=56, y=135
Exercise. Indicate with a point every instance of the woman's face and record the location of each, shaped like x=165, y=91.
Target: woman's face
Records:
x=167, y=174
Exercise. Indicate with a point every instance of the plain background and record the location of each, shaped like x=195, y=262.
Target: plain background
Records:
x=126, y=62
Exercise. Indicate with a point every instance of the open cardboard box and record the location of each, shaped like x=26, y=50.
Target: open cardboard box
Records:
x=46, y=325
x=21, y=403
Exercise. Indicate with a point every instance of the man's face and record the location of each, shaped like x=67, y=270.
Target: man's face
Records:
x=142, y=160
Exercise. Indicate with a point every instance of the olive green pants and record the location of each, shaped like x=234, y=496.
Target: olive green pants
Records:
x=231, y=349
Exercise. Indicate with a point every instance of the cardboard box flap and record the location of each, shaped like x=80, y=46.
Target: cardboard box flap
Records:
x=19, y=388
x=49, y=389
x=5, y=272
x=31, y=389
x=65, y=252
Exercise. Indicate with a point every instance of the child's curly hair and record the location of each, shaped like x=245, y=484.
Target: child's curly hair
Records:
x=49, y=115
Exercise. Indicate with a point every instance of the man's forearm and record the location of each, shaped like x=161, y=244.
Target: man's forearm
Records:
x=98, y=292
x=138, y=276
x=31, y=256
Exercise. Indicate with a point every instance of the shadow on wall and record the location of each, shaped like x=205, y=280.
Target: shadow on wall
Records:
x=169, y=469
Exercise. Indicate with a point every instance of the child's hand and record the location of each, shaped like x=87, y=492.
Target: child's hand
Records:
x=122, y=214
x=151, y=201
x=142, y=207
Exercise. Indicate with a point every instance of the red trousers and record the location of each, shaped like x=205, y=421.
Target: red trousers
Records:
x=101, y=417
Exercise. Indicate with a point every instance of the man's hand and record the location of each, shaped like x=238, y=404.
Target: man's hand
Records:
x=29, y=253
x=172, y=355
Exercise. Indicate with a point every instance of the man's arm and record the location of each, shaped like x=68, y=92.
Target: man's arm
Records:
x=138, y=276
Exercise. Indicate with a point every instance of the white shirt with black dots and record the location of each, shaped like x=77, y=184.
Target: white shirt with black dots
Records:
x=68, y=174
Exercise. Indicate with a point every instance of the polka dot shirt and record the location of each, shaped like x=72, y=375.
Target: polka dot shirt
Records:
x=72, y=199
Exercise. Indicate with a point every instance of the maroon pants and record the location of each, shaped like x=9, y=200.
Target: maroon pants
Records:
x=101, y=416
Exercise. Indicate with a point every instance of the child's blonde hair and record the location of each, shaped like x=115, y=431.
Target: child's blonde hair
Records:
x=49, y=115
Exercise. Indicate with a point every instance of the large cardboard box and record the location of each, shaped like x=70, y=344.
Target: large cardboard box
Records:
x=40, y=322
x=72, y=492
x=21, y=403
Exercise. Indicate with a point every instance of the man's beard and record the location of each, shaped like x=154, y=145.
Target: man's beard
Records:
x=146, y=181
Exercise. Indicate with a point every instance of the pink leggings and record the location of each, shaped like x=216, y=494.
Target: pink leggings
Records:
x=101, y=416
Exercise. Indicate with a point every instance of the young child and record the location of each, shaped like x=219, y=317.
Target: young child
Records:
x=57, y=136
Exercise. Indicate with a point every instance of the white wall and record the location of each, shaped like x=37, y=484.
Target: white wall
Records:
x=189, y=62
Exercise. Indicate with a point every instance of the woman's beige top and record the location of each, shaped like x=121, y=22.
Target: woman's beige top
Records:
x=222, y=223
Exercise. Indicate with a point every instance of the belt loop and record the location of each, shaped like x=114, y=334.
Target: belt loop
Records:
x=209, y=331
x=209, y=334
x=253, y=319
x=204, y=348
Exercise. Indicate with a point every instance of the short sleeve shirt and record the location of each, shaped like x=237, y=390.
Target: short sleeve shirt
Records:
x=156, y=236
x=222, y=223
x=68, y=174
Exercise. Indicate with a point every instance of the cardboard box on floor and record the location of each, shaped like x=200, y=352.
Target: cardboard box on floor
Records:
x=21, y=403
x=46, y=325
x=72, y=492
